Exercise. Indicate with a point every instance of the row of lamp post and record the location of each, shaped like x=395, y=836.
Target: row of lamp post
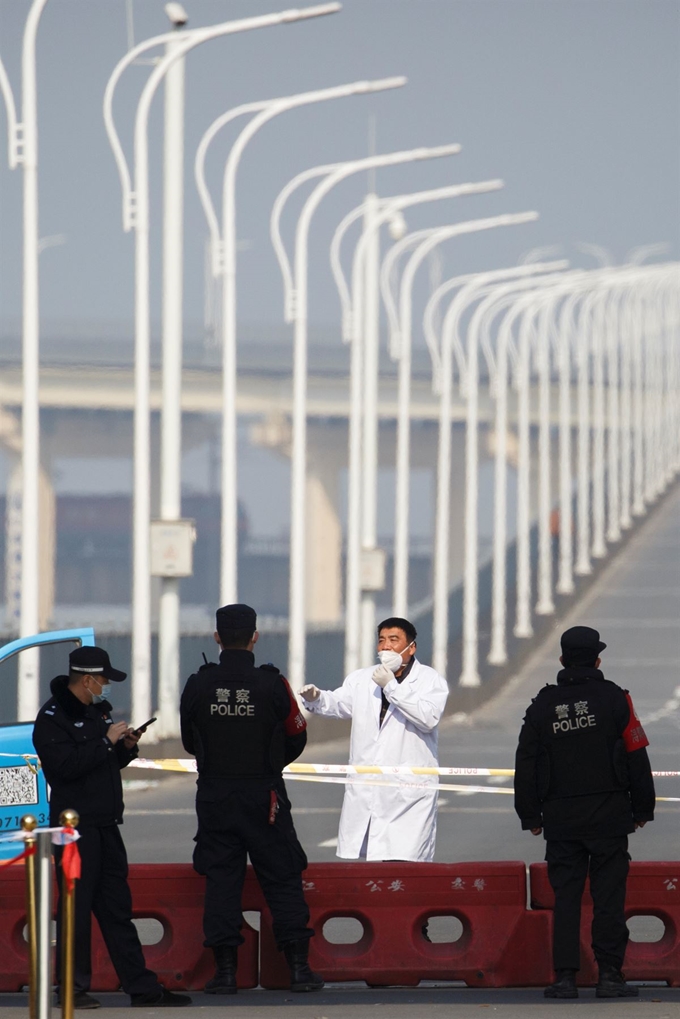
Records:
x=610, y=339
x=604, y=327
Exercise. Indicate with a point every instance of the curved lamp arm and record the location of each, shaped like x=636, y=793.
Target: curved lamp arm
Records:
x=389, y=207
x=199, y=176
x=276, y=106
x=597, y=251
x=191, y=39
x=109, y=123
x=13, y=157
x=400, y=202
x=501, y=297
x=387, y=271
x=338, y=275
x=275, y=232
x=638, y=255
x=475, y=289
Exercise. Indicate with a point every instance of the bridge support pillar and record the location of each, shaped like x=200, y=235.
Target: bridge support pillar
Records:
x=46, y=552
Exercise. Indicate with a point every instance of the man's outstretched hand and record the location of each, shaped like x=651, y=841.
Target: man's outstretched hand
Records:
x=310, y=692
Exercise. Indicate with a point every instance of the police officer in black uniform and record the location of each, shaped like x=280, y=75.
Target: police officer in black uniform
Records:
x=244, y=725
x=582, y=775
x=82, y=751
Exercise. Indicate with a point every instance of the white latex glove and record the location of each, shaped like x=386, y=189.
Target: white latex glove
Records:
x=310, y=692
x=382, y=675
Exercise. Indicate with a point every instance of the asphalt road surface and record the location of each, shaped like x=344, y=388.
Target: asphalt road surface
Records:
x=636, y=606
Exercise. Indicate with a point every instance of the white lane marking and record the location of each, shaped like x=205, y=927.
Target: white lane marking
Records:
x=189, y=811
x=329, y=843
x=316, y=810
x=638, y=663
x=138, y=785
x=170, y=812
x=477, y=810
x=642, y=624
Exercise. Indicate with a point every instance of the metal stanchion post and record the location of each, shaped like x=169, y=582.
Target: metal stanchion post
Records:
x=43, y=874
x=69, y=819
x=28, y=824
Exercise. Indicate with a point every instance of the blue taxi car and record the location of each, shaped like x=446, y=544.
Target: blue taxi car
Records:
x=23, y=789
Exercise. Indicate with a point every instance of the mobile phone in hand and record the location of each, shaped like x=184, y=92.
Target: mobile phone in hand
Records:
x=143, y=728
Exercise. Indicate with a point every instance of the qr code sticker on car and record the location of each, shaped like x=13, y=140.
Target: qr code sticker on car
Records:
x=18, y=786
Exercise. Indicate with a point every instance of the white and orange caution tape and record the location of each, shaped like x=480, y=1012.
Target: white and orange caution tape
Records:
x=341, y=774
x=189, y=765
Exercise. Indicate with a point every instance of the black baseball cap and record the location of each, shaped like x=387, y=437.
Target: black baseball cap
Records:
x=236, y=617
x=95, y=662
x=582, y=638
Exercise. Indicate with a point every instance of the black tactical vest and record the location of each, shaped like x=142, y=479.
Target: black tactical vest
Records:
x=236, y=728
x=582, y=749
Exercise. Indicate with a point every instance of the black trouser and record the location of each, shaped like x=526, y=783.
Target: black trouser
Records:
x=234, y=821
x=104, y=891
x=606, y=861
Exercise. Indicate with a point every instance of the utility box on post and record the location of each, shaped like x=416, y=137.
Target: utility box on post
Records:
x=172, y=548
x=373, y=564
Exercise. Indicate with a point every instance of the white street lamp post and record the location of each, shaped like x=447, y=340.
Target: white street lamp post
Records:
x=23, y=151
x=297, y=609
x=401, y=535
x=638, y=417
x=598, y=548
x=136, y=214
x=224, y=264
x=523, y=278
x=442, y=350
x=362, y=480
x=171, y=386
x=522, y=306
x=613, y=341
x=472, y=287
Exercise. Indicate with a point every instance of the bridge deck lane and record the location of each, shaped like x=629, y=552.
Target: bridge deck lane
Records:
x=635, y=604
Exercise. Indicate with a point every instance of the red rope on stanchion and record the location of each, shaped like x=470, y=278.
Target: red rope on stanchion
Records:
x=70, y=860
x=28, y=851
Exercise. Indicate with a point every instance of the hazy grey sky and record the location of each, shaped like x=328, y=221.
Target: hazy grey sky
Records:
x=575, y=103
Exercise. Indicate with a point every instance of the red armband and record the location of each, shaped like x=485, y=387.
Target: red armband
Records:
x=295, y=722
x=634, y=736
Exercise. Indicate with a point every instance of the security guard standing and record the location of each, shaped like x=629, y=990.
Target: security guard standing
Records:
x=582, y=775
x=82, y=751
x=244, y=725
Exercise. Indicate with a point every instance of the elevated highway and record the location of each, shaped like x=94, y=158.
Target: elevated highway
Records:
x=78, y=376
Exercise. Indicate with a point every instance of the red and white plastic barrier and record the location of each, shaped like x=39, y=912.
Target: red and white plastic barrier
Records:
x=503, y=943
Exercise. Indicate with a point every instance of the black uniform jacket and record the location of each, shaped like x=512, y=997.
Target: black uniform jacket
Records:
x=240, y=721
x=581, y=769
x=81, y=765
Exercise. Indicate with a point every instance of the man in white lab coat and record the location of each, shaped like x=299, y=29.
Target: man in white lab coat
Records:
x=395, y=710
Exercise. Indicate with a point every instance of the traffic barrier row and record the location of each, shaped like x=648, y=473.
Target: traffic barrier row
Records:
x=653, y=889
x=503, y=943
x=172, y=894
x=393, y=901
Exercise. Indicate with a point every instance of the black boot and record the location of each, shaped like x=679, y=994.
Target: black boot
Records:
x=613, y=985
x=302, y=978
x=564, y=985
x=224, y=981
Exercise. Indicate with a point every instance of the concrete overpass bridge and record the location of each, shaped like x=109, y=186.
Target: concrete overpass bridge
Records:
x=86, y=398
x=617, y=396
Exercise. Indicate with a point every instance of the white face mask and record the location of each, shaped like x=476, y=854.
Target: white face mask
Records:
x=392, y=659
